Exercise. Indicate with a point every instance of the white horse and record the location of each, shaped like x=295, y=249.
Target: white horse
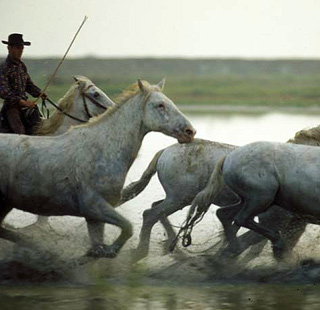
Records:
x=82, y=101
x=263, y=174
x=82, y=172
x=184, y=170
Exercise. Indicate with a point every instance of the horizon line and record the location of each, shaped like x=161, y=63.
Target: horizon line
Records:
x=117, y=57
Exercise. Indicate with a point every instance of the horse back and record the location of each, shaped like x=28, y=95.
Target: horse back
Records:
x=290, y=171
x=186, y=168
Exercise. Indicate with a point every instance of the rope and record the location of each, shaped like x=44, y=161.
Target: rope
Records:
x=186, y=229
x=218, y=234
x=65, y=113
x=44, y=109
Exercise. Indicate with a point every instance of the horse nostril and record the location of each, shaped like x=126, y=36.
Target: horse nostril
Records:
x=189, y=132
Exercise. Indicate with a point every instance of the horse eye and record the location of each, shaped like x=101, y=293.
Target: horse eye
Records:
x=161, y=106
x=96, y=95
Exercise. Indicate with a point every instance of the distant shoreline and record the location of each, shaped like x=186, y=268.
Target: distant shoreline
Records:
x=241, y=109
x=203, y=108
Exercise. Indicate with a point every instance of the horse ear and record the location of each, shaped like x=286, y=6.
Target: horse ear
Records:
x=161, y=83
x=140, y=85
x=79, y=80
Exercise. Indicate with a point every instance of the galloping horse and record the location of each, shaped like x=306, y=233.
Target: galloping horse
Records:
x=82, y=172
x=184, y=171
x=263, y=174
x=82, y=101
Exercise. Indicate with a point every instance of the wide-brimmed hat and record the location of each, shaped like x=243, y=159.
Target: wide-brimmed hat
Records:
x=16, y=39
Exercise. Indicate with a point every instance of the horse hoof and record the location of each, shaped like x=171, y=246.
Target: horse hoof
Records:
x=279, y=250
x=168, y=246
x=102, y=251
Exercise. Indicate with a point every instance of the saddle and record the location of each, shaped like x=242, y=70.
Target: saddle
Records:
x=29, y=117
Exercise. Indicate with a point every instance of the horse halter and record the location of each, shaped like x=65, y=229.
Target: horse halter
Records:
x=84, y=96
x=95, y=102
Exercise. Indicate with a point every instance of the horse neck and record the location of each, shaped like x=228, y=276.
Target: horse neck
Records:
x=76, y=110
x=120, y=133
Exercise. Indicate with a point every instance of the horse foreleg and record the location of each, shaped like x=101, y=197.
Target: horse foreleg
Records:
x=96, y=217
x=96, y=232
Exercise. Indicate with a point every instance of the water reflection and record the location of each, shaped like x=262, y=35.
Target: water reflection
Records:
x=115, y=296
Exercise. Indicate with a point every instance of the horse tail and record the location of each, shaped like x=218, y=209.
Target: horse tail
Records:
x=203, y=199
x=135, y=188
x=201, y=203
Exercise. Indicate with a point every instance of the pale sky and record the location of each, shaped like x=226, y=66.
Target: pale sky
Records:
x=165, y=28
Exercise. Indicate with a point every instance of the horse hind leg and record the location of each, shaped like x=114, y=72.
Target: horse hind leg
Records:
x=253, y=207
x=171, y=234
x=159, y=211
x=226, y=216
x=275, y=217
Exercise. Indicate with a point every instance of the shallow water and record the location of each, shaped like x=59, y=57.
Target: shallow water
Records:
x=109, y=284
x=169, y=297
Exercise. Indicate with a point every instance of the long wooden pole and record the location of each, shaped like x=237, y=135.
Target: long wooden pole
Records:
x=61, y=61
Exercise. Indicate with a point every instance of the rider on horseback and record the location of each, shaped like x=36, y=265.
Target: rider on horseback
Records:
x=18, y=114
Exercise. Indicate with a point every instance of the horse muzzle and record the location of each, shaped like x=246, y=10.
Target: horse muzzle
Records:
x=187, y=135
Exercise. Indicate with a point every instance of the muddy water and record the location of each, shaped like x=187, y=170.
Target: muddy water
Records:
x=170, y=281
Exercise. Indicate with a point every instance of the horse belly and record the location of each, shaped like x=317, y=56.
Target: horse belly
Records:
x=301, y=196
x=55, y=204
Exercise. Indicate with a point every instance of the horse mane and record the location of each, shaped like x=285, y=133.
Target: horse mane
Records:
x=307, y=136
x=134, y=90
x=50, y=125
x=123, y=98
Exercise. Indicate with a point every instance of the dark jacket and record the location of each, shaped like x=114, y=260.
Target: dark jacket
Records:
x=15, y=82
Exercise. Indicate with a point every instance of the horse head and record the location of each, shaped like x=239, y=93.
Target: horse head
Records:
x=161, y=114
x=94, y=100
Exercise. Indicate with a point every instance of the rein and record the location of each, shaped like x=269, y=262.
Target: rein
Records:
x=65, y=113
x=84, y=95
x=186, y=229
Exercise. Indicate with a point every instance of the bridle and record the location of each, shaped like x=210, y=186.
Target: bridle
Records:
x=84, y=95
x=95, y=102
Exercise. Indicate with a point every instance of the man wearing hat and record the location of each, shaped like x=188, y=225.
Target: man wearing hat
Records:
x=18, y=114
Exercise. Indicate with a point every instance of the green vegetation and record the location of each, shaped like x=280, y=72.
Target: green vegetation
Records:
x=195, y=81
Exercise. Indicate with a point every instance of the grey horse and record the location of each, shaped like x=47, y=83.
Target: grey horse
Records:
x=184, y=171
x=82, y=172
x=264, y=174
